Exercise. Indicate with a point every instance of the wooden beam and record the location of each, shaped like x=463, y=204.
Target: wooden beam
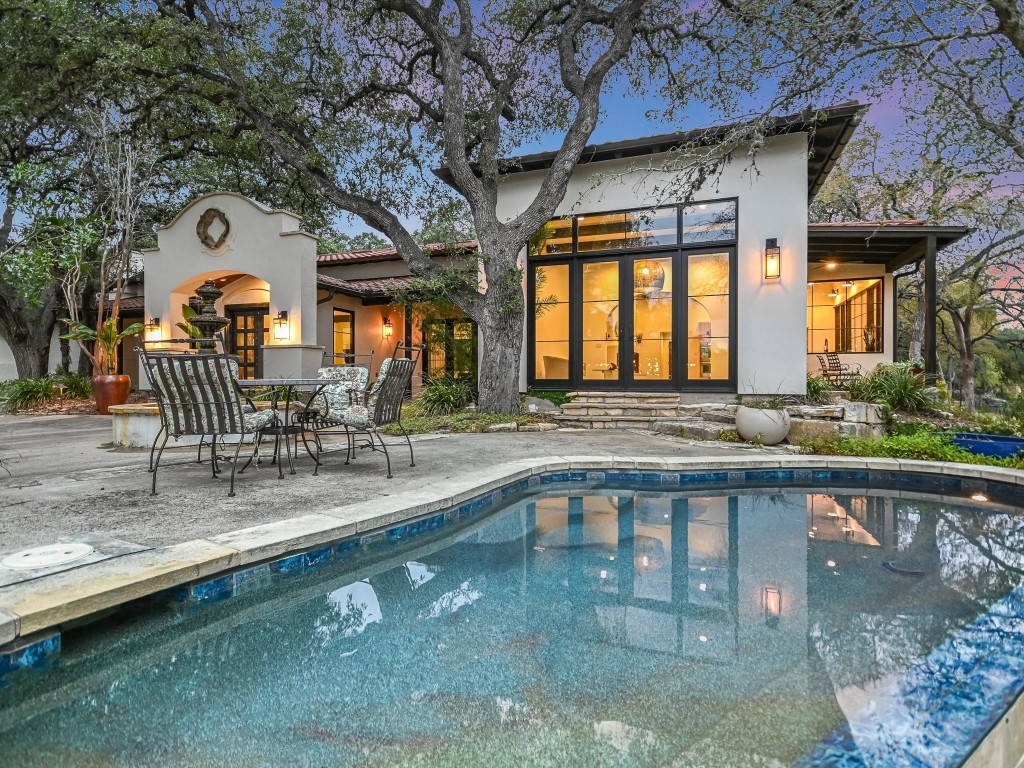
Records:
x=916, y=252
x=931, y=355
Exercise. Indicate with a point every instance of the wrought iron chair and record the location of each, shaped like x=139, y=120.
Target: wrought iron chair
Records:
x=198, y=395
x=322, y=414
x=835, y=370
x=248, y=406
x=377, y=407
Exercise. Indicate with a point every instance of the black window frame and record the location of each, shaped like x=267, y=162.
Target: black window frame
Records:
x=678, y=381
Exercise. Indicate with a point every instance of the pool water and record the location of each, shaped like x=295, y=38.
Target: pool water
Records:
x=602, y=627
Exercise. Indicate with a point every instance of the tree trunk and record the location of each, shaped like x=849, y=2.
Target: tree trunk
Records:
x=965, y=349
x=27, y=330
x=916, y=348
x=501, y=345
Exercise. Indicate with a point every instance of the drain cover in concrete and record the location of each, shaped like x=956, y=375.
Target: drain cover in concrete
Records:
x=46, y=556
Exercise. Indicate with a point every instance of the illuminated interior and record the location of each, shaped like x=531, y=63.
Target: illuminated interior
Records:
x=845, y=316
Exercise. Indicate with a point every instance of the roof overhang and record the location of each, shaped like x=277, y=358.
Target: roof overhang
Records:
x=894, y=245
x=368, y=290
x=831, y=129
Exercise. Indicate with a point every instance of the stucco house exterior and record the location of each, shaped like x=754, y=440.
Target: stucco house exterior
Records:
x=732, y=291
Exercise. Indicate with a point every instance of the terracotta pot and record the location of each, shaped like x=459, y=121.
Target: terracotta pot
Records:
x=762, y=425
x=110, y=390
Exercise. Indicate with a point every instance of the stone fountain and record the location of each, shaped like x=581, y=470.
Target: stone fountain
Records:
x=208, y=321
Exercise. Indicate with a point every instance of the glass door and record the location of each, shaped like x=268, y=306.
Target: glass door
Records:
x=250, y=331
x=601, y=322
x=709, y=318
x=652, y=323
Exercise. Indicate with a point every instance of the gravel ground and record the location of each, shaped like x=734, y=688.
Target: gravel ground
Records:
x=67, y=479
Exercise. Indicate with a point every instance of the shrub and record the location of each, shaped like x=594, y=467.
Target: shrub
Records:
x=442, y=396
x=25, y=393
x=925, y=446
x=896, y=386
x=75, y=386
x=819, y=391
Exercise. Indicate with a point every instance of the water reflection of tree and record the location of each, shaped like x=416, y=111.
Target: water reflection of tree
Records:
x=970, y=560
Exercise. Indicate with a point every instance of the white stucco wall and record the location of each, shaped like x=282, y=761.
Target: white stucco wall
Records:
x=8, y=370
x=772, y=314
x=263, y=243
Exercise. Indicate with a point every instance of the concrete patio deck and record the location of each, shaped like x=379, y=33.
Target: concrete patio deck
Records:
x=67, y=480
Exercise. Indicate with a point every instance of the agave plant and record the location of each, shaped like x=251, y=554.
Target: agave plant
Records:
x=106, y=338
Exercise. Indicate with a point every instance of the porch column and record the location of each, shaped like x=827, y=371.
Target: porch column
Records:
x=931, y=357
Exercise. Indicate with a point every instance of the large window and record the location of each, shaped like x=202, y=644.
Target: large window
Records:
x=344, y=332
x=845, y=316
x=638, y=298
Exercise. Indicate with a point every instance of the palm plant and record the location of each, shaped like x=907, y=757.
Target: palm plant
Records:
x=104, y=354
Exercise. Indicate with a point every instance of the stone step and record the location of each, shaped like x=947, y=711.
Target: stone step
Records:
x=605, y=422
x=667, y=398
x=692, y=429
x=719, y=417
x=638, y=410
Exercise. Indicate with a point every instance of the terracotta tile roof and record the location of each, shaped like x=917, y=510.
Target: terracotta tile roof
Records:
x=883, y=223
x=390, y=254
x=133, y=303
x=366, y=288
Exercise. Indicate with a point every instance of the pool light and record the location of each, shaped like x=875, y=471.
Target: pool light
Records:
x=979, y=496
x=772, y=604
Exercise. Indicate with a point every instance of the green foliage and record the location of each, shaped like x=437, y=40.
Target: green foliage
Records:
x=25, y=393
x=76, y=386
x=921, y=445
x=28, y=393
x=896, y=386
x=417, y=421
x=443, y=396
x=730, y=436
x=107, y=337
x=186, y=327
x=763, y=402
x=559, y=398
x=819, y=391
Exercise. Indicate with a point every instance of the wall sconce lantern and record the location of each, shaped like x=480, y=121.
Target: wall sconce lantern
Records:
x=772, y=259
x=387, y=329
x=152, y=329
x=772, y=605
x=281, y=331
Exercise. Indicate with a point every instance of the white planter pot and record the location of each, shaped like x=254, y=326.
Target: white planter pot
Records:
x=762, y=425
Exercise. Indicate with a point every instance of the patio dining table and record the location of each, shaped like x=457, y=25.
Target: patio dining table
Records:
x=286, y=426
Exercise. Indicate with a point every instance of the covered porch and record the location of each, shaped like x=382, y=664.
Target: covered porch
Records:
x=852, y=274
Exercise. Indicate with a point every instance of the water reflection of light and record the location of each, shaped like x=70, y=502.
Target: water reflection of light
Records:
x=831, y=563
x=979, y=497
x=702, y=587
x=356, y=606
x=703, y=638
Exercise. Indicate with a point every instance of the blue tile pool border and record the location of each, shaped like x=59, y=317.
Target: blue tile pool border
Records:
x=252, y=578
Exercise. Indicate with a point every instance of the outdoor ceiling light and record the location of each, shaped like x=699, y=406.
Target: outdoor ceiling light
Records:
x=772, y=259
x=386, y=328
x=152, y=329
x=281, y=326
x=831, y=264
x=772, y=604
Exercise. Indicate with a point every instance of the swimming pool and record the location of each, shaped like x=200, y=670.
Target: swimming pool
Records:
x=576, y=624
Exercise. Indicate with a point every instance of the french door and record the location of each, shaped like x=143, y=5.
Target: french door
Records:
x=249, y=332
x=661, y=320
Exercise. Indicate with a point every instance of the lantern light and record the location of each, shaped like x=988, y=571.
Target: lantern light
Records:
x=152, y=329
x=772, y=259
x=386, y=328
x=281, y=326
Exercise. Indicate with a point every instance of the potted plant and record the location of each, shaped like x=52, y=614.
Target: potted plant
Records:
x=762, y=419
x=108, y=388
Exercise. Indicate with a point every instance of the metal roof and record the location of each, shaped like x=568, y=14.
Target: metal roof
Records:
x=892, y=243
x=833, y=127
